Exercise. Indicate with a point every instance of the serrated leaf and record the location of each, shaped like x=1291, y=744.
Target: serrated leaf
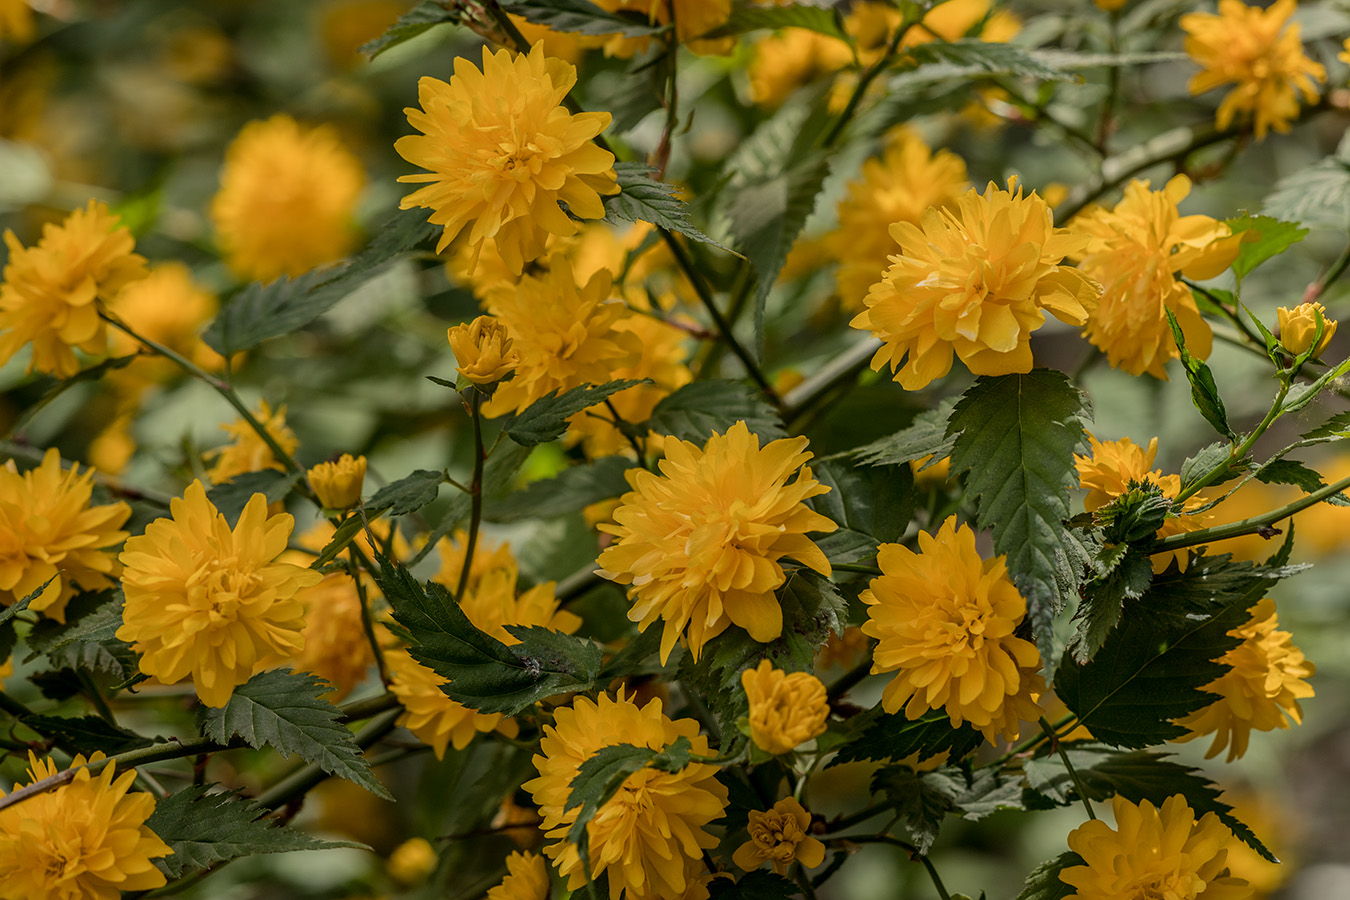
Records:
x=571, y=490
x=584, y=17
x=424, y=15
x=758, y=885
x=346, y=532
x=546, y=418
x=1016, y=437
x=1317, y=196
x=604, y=772
x=1290, y=471
x=484, y=673
x=1104, y=599
x=1334, y=429
x=231, y=497
x=1044, y=884
x=206, y=829
x=989, y=792
x=876, y=501
x=1263, y=237
x=408, y=494
x=504, y=459
x=643, y=199
x=995, y=58
x=1206, y=460
x=921, y=800
x=86, y=734
x=88, y=641
x=750, y=16
x=882, y=736
x=1204, y=391
x=286, y=710
x=1151, y=669
x=697, y=410
x=925, y=436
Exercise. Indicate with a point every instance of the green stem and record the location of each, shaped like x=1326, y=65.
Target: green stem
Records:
x=913, y=15
x=909, y=848
x=1064, y=756
x=740, y=292
x=1246, y=526
x=96, y=697
x=1240, y=451
x=1337, y=269
x=840, y=370
x=854, y=567
x=357, y=710
x=1023, y=747
x=857, y=818
x=475, y=492
x=354, y=554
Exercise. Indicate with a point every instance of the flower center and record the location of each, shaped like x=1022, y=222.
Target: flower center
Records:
x=219, y=586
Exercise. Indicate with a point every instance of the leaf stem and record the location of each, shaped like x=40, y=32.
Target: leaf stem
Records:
x=367, y=618
x=475, y=491
x=914, y=14
x=1068, y=766
x=1247, y=526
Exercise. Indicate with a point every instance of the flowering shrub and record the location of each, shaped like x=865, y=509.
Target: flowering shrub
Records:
x=694, y=483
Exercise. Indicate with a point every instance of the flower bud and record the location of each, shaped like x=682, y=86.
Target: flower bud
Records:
x=483, y=350
x=785, y=710
x=338, y=484
x=1299, y=325
x=412, y=861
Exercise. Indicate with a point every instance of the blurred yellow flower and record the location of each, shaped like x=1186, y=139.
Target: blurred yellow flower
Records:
x=249, y=452
x=1261, y=690
x=483, y=350
x=335, y=644
x=170, y=308
x=1153, y=853
x=791, y=58
x=51, y=291
x=526, y=878
x=786, y=710
x=503, y=154
x=844, y=650
x=412, y=861
x=1298, y=327
x=780, y=836
x=490, y=562
x=287, y=199
x=700, y=544
x=944, y=620
x=692, y=19
x=85, y=840
x=645, y=835
x=974, y=281
x=209, y=602
x=16, y=21
x=338, y=484
x=908, y=179
x=50, y=530
x=1138, y=251
x=1251, y=48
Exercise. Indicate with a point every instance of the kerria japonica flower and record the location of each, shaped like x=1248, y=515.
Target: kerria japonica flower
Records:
x=337, y=484
x=526, y=878
x=1298, y=327
x=779, y=836
x=248, y=452
x=786, y=710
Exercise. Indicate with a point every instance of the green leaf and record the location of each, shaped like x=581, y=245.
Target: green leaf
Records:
x=926, y=436
x=1333, y=429
x=605, y=771
x=1016, y=437
x=1204, y=392
x=86, y=734
x=504, y=459
x=287, y=711
x=88, y=641
x=1104, y=598
x=1151, y=670
x=9, y=612
x=583, y=17
x=346, y=532
x=750, y=16
x=994, y=58
x=1205, y=461
x=1290, y=471
x=546, y=418
x=206, y=829
x=870, y=504
x=1043, y=883
x=231, y=497
x=263, y=311
x=989, y=792
x=408, y=494
x=759, y=885
x=1264, y=238
x=484, y=673
x=1135, y=516
x=697, y=410
x=643, y=199
x=424, y=15
x=921, y=800
x=885, y=736
x=1316, y=197
x=571, y=490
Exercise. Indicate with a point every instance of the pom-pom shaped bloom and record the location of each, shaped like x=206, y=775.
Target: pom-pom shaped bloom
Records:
x=338, y=484
x=646, y=834
x=85, y=840
x=1153, y=853
x=210, y=602
x=526, y=879
x=483, y=350
x=908, y=179
x=786, y=710
x=50, y=534
x=1138, y=251
x=944, y=620
x=780, y=836
x=287, y=198
x=1251, y=48
x=249, y=452
x=974, y=281
x=503, y=154
x=50, y=294
x=1259, y=693
x=700, y=544
x=1298, y=327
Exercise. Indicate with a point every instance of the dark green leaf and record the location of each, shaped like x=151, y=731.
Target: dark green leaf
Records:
x=1205, y=461
x=424, y=15
x=1265, y=237
x=86, y=734
x=88, y=641
x=1044, y=884
x=643, y=199
x=884, y=736
x=874, y=501
x=1016, y=437
x=1317, y=196
x=750, y=16
x=847, y=546
x=546, y=419
x=583, y=17
x=569, y=491
x=989, y=792
x=1334, y=429
x=408, y=494
x=1128, y=577
x=994, y=58
x=1134, y=516
x=926, y=436
x=921, y=801
x=697, y=410
x=287, y=711
x=205, y=829
x=231, y=497
x=346, y=532
x=759, y=885
x=601, y=776
x=1204, y=392
x=1290, y=471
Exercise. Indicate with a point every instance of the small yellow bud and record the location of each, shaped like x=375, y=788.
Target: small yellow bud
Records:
x=412, y=861
x=1299, y=325
x=338, y=484
x=780, y=836
x=483, y=350
x=785, y=710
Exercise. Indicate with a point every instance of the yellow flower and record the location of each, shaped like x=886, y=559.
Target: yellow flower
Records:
x=50, y=294
x=49, y=530
x=483, y=350
x=526, y=879
x=85, y=840
x=1109, y=5
x=16, y=21
x=335, y=644
x=287, y=199
x=645, y=835
x=412, y=861
x=780, y=836
x=490, y=562
x=786, y=710
x=249, y=453
x=1153, y=853
x=338, y=484
x=944, y=620
x=907, y=179
x=700, y=544
x=1137, y=252
x=503, y=154
x=434, y=718
x=1250, y=47
x=974, y=281
x=209, y=603
x=1260, y=692
x=792, y=58
x=1299, y=325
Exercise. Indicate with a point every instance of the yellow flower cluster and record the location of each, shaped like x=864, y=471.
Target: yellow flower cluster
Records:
x=786, y=710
